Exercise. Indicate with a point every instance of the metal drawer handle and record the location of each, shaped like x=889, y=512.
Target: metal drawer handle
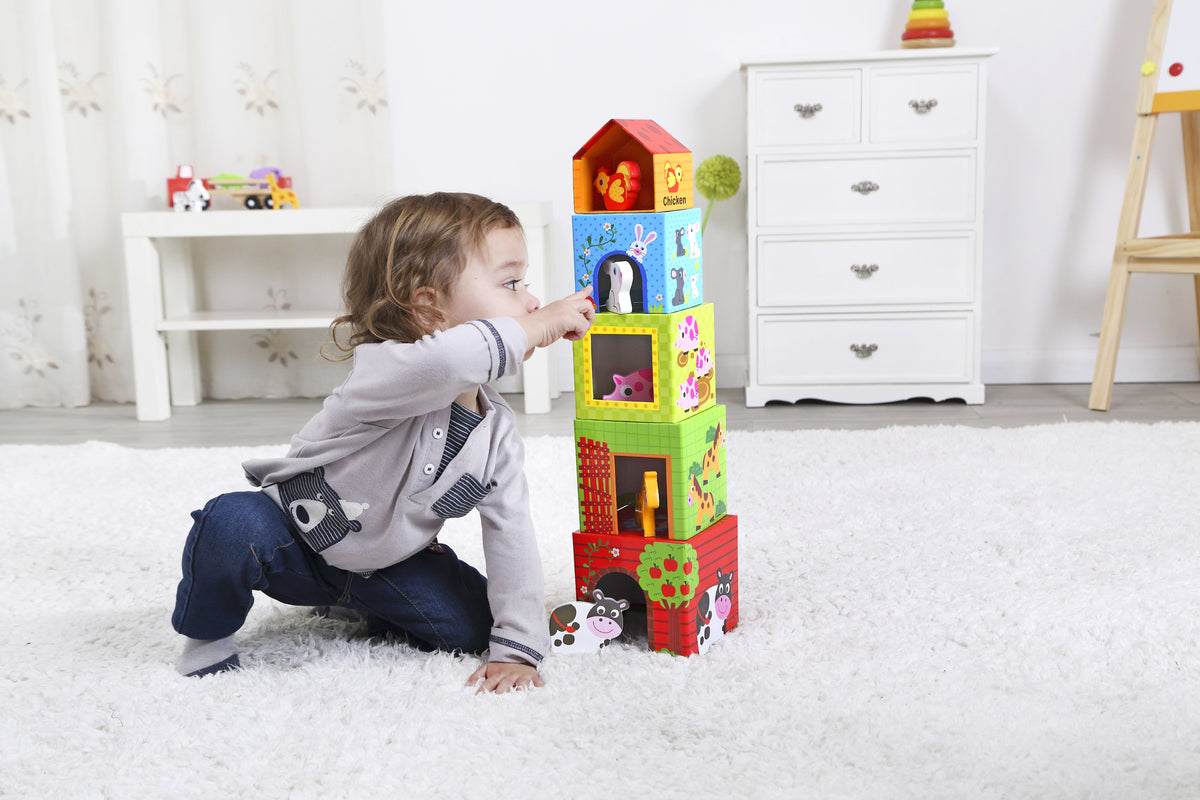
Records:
x=865, y=187
x=864, y=350
x=864, y=271
x=922, y=106
x=806, y=110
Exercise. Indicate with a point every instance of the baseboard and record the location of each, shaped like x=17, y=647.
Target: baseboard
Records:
x=1077, y=365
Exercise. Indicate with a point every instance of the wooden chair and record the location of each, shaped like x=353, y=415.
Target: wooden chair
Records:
x=1178, y=253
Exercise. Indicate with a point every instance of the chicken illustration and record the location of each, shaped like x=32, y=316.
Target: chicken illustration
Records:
x=620, y=188
x=674, y=177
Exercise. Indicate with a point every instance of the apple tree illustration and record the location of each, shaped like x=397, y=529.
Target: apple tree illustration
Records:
x=669, y=572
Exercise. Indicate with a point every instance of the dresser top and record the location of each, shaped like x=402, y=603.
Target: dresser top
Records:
x=914, y=54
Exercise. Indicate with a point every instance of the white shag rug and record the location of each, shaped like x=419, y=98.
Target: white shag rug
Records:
x=925, y=612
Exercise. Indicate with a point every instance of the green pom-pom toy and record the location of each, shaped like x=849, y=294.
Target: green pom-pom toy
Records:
x=717, y=178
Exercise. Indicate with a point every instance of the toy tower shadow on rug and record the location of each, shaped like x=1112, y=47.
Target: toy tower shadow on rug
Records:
x=655, y=541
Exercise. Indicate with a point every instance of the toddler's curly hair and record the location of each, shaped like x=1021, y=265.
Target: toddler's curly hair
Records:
x=413, y=241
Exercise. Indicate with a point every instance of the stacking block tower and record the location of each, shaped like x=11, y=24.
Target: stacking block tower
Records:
x=655, y=538
x=928, y=25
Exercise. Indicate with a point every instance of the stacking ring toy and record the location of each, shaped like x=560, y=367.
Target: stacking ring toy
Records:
x=923, y=43
x=914, y=24
x=927, y=33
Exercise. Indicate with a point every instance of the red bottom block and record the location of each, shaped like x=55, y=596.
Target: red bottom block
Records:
x=687, y=589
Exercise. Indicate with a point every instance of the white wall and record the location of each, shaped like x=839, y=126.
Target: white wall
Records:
x=496, y=98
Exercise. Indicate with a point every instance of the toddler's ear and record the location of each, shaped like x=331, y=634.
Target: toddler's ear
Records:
x=429, y=316
x=425, y=296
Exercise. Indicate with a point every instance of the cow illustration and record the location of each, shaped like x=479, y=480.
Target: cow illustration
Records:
x=712, y=611
x=583, y=627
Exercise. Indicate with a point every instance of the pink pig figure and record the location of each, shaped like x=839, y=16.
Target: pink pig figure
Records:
x=689, y=334
x=689, y=394
x=636, y=387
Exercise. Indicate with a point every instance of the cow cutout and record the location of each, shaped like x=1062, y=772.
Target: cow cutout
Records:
x=583, y=627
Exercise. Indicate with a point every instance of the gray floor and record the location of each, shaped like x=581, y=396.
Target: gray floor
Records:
x=248, y=422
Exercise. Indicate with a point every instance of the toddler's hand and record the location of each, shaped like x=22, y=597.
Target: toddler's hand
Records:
x=568, y=318
x=499, y=677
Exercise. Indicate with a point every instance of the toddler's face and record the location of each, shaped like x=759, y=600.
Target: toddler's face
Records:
x=493, y=282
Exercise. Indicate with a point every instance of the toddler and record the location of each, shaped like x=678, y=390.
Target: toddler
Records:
x=436, y=309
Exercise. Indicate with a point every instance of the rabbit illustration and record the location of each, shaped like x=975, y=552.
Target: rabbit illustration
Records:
x=693, y=234
x=638, y=248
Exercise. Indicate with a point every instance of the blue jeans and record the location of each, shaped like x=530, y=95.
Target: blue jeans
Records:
x=242, y=542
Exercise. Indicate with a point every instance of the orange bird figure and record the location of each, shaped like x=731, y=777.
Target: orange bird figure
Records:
x=620, y=188
x=674, y=177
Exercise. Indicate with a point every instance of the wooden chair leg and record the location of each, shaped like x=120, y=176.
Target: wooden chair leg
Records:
x=1196, y=283
x=1110, y=335
x=1118, y=281
x=1190, y=126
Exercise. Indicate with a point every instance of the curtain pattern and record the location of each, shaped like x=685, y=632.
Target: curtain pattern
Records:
x=100, y=101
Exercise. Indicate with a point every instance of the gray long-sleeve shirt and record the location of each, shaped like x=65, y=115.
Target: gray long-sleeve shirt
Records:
x=373, y=451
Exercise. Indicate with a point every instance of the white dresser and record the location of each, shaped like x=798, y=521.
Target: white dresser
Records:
x=865, y=187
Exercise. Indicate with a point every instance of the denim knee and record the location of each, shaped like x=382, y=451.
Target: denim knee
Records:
x=224, y=559
x=231, y=524
x=432, y=599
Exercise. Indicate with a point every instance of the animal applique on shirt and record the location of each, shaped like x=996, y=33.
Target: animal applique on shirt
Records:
x=321, y=516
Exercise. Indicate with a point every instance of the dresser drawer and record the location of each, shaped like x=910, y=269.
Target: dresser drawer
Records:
x=866, y=189
x=808, y=108
x=898, y=348
x=866, y=269
x=923, y=105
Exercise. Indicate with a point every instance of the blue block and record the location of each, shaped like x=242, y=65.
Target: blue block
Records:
x=662, y=249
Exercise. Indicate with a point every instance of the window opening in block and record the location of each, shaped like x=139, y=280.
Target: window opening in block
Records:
x=643, y=494
x=623, y=367
x=625, y=272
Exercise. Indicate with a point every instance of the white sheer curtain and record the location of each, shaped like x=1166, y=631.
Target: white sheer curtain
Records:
x=100, y=101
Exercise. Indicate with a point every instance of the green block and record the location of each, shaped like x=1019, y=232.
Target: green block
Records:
x=678, y=349
x=688, y=459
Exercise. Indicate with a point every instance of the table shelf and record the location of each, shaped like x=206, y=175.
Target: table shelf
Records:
x=160, y=284
x=283, y=222
x=247, y=320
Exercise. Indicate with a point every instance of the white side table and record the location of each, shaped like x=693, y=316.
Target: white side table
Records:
x=159, y=282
